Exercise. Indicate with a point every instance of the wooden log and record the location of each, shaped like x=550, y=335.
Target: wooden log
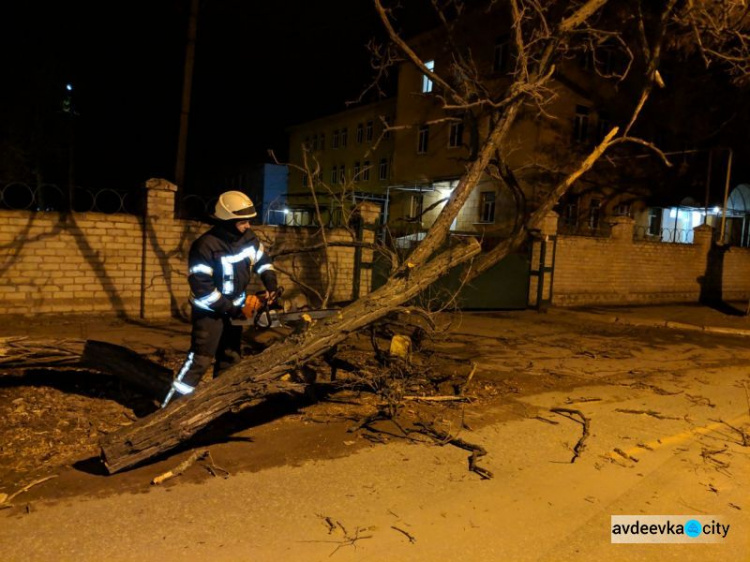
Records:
x=21, y=352
x=127, y=365
x=253, y=379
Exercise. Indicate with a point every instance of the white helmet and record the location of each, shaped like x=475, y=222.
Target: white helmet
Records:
x=234, y=205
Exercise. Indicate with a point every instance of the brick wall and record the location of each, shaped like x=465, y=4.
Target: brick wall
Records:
x=136, y=266
x=618, y=270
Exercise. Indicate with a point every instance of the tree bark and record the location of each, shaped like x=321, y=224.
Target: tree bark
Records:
x=255, y=378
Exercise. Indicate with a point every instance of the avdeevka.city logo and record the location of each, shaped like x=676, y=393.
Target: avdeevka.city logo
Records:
x=669, y=529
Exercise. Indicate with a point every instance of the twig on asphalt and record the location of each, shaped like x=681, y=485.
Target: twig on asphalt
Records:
x=624, y=455
x=580, y=400
x=584, y=421
x=443, y=438
x=468, y=379
x=411, y=538
x=213, y=467
x=743, y=434
x=180, y=468
x=6, y=503
x=652, y=413
x=437, y=398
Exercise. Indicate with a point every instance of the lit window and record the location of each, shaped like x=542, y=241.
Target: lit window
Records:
x=456, y=135
x=426, y=82
x=581, y=124
x=487, y=206
x=423, y=139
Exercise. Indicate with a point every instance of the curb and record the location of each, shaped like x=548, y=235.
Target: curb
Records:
x=685, y=326
x=665, y=324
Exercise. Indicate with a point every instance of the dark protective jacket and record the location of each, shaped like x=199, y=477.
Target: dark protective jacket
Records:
x=220, y=264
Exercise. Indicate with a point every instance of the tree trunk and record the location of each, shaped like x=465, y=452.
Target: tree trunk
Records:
x=255, y=378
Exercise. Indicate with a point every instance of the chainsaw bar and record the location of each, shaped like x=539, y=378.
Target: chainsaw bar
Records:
x=279, y=318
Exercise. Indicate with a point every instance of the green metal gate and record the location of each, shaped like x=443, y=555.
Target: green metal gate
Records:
x=505, y=286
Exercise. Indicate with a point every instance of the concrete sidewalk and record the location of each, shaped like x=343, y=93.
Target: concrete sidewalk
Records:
x=729, y=318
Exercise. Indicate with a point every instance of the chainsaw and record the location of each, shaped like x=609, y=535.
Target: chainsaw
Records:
x=263, y=314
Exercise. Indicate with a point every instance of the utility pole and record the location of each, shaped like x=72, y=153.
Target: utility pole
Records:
x=187, y=84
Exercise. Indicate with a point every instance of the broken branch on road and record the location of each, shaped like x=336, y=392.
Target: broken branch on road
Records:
x=584, y=421
x=443, y=438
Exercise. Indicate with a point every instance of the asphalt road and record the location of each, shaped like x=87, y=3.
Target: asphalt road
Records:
x=660, y=407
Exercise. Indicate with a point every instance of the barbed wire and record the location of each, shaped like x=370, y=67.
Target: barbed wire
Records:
x=48, y=197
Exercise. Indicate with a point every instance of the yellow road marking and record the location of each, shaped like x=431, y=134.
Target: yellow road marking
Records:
x=678, y=437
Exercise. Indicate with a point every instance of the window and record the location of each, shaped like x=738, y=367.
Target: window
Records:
x=322, y=141
x=581, y=124
x=570, y=214
x=306, y=144
x=368, y=131
x=423, y=139
x=355, y=172
x=388, y=123
x=366, y=171
x=501, y=54
x=360, y=133
x=594, y=212
x=487, y=206
x=456, y=135
x=654, y=221
x=344, y=137
x=416, y=204
x=335, y=139
x=383, y=169
x=621, y=210
x=342, y=174
x=315, y=142
x=334, y=175
x=426, y=82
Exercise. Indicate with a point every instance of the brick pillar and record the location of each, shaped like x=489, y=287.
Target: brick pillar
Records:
x=369, y=213
x=621, y=269
x=702, y=236
x=158, y=231
x=622, y=229
x=710, y=272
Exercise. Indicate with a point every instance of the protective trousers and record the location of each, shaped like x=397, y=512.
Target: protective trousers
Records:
x=213, y=337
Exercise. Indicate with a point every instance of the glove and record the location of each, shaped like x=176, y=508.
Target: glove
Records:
x=235, y=312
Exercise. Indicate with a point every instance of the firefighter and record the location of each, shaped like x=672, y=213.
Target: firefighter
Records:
x=220, y=265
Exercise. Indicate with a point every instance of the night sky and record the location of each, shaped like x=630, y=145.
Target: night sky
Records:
x=259, y=68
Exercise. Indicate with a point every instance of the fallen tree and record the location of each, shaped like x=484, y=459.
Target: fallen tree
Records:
x=253, y=380
x=542, y=38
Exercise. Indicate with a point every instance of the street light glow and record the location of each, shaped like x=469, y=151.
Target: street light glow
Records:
x=69, y=87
